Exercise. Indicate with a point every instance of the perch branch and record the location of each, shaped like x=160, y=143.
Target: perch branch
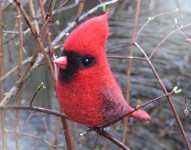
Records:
x=105, y=134
x=62, y=116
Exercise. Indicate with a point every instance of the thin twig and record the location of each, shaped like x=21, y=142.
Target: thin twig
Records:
x=125, y=57
x=14, y=69
x=68, y=137
x=165, y=39
x=115, y=48
x=3, y=142
x=41, y=86
x=57, y=131
x=21, y=80
x=20, y=59
x=1, y=50
x=149, y=102
x=46, y=28
x=33, y=108
x=139, y=107
x=130, y=62
x=186, y=37
x=50, y=8
x=36, y=36
x=33, y=136
x=44, y=120
x=151, y=19
x=168, y=98
x=32, y=12
x=64, y=8
x=5, y=7
x=50, y=15
x=80, y=8
x=161, y=42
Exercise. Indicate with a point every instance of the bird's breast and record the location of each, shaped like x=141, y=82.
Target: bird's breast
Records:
x=81, y=105
x=89, y=106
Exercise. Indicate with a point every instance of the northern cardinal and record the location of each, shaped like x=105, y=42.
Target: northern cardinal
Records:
x=85, y=86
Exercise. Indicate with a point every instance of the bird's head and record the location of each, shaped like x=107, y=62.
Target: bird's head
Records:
x=84, y=47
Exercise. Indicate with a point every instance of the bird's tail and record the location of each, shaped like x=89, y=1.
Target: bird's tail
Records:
x=139, y=114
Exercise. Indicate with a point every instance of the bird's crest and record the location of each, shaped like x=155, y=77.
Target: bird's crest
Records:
x=89, y=36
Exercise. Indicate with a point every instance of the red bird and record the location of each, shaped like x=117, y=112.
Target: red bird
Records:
x=86, y=89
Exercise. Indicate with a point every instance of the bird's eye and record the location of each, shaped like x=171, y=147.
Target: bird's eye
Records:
x=88, y=61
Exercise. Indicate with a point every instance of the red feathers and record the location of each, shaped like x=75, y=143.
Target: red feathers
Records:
x=92, y=35
x=86, y=88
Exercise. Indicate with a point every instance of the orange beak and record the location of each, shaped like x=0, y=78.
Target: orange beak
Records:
x=61, y=62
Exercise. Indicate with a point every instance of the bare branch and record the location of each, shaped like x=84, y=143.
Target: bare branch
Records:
x=168, y=97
